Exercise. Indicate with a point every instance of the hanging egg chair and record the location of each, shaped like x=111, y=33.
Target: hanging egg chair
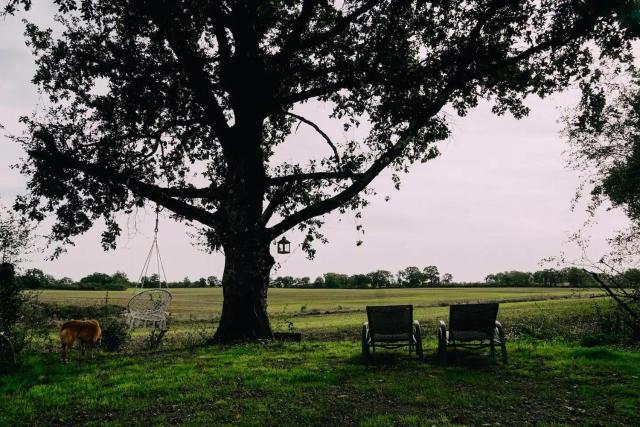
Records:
x=148, y=307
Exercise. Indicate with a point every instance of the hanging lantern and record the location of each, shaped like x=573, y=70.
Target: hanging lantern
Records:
x=284, y=246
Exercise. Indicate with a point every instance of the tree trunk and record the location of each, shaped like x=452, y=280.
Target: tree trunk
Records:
x=244, y=238
x=245, y=282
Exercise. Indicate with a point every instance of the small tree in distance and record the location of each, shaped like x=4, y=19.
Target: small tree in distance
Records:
x=447, y=279
x=183, y=104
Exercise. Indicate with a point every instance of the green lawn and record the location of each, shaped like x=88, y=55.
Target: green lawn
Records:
x=326, y=383
x=206, y=303
x=551, y=379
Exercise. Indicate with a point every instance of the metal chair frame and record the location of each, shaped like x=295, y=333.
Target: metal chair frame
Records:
x=407, y=330
x=475, y=318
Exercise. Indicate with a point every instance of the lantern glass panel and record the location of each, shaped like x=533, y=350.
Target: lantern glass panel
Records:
x=284, y=246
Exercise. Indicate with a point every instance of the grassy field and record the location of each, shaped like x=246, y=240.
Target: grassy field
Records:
x=326, y=384
x=338, y=313
x=206, y=303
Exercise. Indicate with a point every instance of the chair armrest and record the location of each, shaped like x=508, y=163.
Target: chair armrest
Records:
x=365, y=331
x=442, y=330
x=416, y=327
x=500, y=329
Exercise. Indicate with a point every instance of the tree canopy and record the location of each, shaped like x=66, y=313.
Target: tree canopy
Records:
x=149, y=99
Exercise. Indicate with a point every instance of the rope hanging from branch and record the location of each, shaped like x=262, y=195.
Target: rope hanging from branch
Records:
x=153, y=256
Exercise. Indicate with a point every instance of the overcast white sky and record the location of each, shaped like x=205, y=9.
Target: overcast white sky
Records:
x=497, y=199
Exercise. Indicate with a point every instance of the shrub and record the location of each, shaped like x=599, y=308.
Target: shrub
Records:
x=115, y=333
x=11, y=304
x=68, y=312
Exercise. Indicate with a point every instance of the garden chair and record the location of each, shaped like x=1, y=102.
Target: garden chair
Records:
x=472, y=326
x=391, y=326
x=148, y=309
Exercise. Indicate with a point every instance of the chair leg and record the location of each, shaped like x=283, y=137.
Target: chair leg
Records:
x=365, y=349
x=419, y=350
x=417, y=341
x=442, y=352
x=505, y=357
x=492, y=347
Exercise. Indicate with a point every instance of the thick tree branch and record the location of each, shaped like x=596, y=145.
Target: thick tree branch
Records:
x=192, y=192
x=327, y=205
x=287, y=182
x=456, y=81
x=314, y=92
x=276, y=200
x=56, y=158
x=279, y=180
x=300, y=24
x=195, y=68
x=317, y=128
x=612, y=294
x=342, y=25
x=579, y=31
x=219, y=20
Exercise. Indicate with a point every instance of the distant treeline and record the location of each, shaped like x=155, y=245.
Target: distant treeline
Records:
x=410, y=277
x=36, y=279
x=429, y=277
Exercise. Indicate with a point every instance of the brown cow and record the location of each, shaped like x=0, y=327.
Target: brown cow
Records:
x=88, y=332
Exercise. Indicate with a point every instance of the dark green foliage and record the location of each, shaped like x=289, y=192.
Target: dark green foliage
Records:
x=16, y=237
x=411, y=277
x=65, y=312
x=570, y=276
x=10, y=305
x=335, y=280
x=381, y=279
x=19, y=320
x=115, y=333
x=428, y=277
x=35, y=278
x=605, y=142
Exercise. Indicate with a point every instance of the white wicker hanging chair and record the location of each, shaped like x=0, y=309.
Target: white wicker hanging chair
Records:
x=149, y=307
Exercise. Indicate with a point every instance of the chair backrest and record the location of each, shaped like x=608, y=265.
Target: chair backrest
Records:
x=150, y=300
x=473, y=317
x=390, y=319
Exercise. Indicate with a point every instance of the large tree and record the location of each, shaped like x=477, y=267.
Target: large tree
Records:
x=182, y=104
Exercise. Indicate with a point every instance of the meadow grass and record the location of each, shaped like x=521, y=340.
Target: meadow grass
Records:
x=326, y=383
x=206, y=303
